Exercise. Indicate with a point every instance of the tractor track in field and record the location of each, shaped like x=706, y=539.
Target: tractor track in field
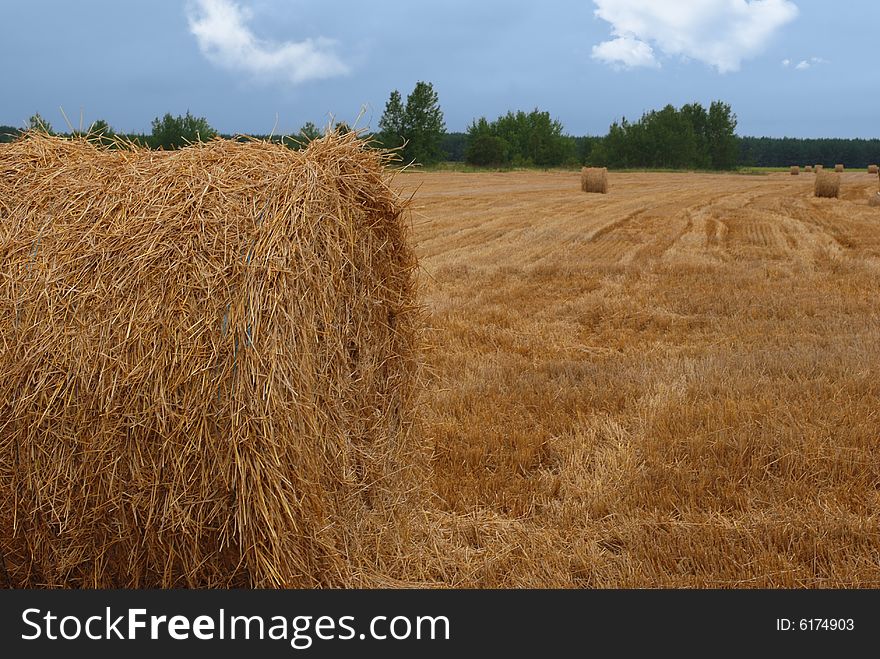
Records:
x=648, y=388
x=527, y=218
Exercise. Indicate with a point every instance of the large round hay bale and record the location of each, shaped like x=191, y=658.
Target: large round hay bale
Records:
x=839, y=168
x=206, y=366
x=873, y=169
x=795, y=170
x=594, y=179
x=827, y=184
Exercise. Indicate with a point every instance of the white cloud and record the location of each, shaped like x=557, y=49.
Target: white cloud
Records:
x=806, y=64
x=221, y=30
x=721, y=33
x=627, y=52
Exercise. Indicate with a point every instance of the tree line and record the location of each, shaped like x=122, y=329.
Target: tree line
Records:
x=168, y=132
x=689, y=137
x=770, y=152
x=519, y=139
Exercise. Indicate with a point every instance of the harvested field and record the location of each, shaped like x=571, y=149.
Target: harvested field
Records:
x=674, y=385
x=670, y=386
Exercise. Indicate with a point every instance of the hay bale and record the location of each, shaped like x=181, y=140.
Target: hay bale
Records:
x=808, y=169
x=594, y=179
x=207, y=364
x=873, y=169
x=795, y=170
x=827, y=184
x=838, y=168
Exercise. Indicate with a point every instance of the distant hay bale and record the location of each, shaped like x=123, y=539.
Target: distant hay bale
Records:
x=838, y=168
x=594, y=179
x=827, y=184
x=818, y=168
x=808, y=169
x=873, y=169
x=207, y=362
x=795, y=170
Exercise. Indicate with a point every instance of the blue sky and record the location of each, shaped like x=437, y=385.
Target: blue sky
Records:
x=802, y=68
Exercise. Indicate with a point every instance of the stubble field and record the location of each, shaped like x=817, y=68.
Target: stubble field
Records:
x=673, y=385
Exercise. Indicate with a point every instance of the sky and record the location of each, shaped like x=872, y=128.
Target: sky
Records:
x=798, y=68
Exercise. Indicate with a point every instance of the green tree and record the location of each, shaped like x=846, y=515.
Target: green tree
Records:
x=454, y=145
x=488, y=151
x=613, y=151
x=513, y=129
x=782, y=152
x=484, y=147
x=667, y=139
x=423, y=125
x=584, y=148
x=392, y=123
x=521, y=138
x=546, y=144
x=681, y=138
x=723, y=145
x=598, y=156
x=309, y=131
x=695, y=114
x=36, y=122
x=8, y=134
x=100, y=132
x=171, y=132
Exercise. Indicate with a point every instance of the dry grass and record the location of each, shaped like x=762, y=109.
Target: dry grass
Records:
x=674, y=386
x=795, y=170
x=839, y=168
x=874, y=200
x=594, y=180
x=206, y=365
x=827, y=185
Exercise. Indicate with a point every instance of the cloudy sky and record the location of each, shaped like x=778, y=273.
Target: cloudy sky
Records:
x=805, y=68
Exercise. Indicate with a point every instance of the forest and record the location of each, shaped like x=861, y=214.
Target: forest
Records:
x=690, y=137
